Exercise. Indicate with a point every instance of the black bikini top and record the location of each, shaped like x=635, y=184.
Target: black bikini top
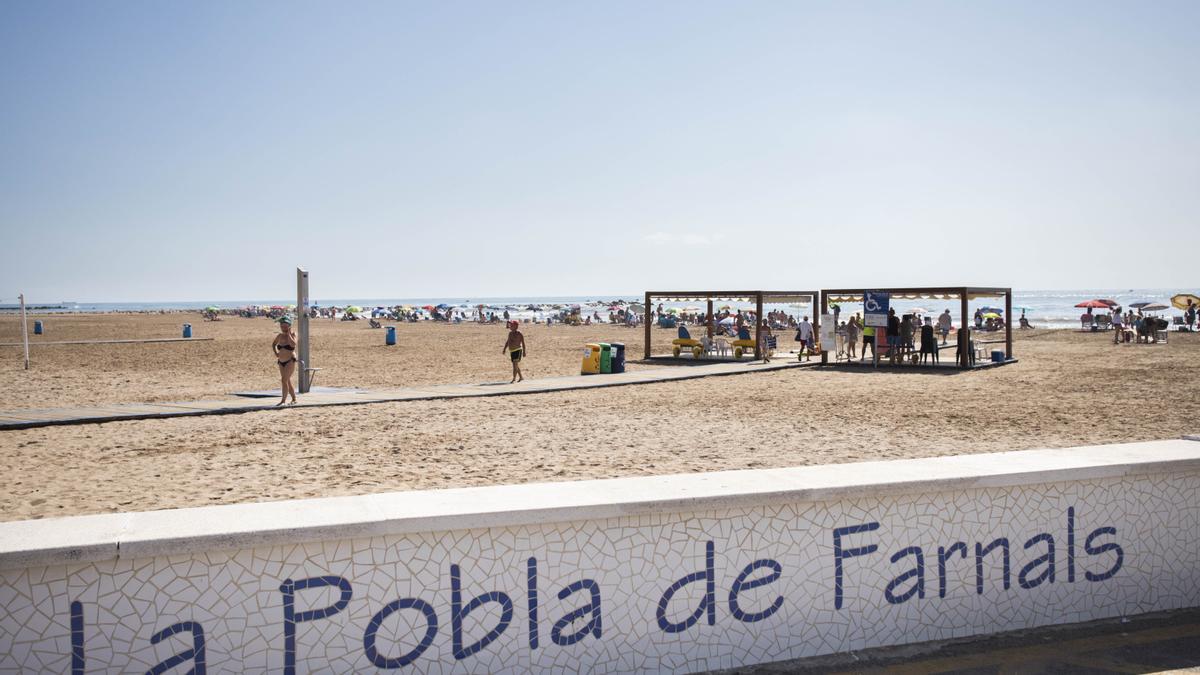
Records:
x=287, y=347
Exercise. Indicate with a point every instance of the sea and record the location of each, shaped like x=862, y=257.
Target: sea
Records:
x=1043, y=308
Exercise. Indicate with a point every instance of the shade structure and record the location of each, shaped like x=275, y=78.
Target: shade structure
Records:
x=710, y=300
x=962, y=294
x=1180, y=301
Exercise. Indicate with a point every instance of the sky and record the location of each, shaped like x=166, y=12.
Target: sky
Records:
x=159, y=151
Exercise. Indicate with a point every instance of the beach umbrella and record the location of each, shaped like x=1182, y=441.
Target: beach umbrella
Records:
x=1139, y=305
x=1094, y=304
x=1156, y=307
x=991, y=315
x=443, y=306
x=354, y=309
x=919, y=310
x=997, y=310
x=427, y=308
x=1181, y=301
x=727, y=321
x=1108, y=301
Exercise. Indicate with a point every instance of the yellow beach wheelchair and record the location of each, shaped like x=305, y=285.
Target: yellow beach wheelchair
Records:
x=743, y=343
x=685, y=341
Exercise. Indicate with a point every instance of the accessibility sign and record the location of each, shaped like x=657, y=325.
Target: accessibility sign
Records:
x=875, y=308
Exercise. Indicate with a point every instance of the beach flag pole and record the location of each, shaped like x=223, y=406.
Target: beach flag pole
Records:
x=302, y=328
x=24, y=331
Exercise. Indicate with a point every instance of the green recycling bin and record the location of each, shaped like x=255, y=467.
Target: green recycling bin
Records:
x=605, y=357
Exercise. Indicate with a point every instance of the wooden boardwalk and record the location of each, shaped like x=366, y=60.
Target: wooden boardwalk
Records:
x=35, y=343
x=44, y=417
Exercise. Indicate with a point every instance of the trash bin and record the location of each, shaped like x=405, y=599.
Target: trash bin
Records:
x=187, y=330
x=605, y=357
x=618, y=357
x=390, y=339
x=37, y=327
x=997, y=356
x=591, y=360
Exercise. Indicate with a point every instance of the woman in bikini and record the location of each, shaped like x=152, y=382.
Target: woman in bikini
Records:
x=284, y=348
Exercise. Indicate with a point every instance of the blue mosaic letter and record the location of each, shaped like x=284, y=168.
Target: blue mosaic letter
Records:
x=532, y=600
x=918, y=587
x=840, y=554
x=593, y=626
x=1046, y=559
x=458, y=613
x=195, y=653
x=77, y=660
x=289, y=589
x=944, y=554
x=740, y=584
x=980, y=552
x=1103, y=548
x=707, y=605
x=431, y=627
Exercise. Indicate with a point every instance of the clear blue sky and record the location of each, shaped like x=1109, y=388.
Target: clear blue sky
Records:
x=201, y=150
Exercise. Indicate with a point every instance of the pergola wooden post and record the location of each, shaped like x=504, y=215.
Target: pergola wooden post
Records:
x=647, y=322
x=817, y=327
x=710, y=319
x=758, y=321
x=964, y=333
x=1008, y=324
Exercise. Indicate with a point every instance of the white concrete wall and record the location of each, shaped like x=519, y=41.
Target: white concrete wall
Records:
x=595, y=559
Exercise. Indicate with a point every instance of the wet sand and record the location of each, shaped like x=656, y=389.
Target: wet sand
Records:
x=1069, y=389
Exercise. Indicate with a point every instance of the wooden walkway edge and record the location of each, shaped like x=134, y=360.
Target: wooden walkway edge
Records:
x=30, y=418
x=35, y=343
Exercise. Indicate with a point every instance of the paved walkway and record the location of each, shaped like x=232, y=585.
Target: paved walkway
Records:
x=1149, y=643
x=44, y=417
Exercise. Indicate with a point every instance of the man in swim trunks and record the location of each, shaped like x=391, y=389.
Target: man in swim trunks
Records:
x=515, y=346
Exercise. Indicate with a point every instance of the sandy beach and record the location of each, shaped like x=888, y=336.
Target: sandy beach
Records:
x=1070, y=388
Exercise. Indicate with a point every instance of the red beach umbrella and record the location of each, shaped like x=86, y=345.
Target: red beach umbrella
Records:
x=1095, y=304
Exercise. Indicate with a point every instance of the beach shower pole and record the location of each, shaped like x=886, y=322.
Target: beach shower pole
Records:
x=302, y=328
x=24, y=331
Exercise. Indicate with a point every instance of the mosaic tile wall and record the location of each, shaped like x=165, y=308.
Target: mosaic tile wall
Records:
x=679, y=592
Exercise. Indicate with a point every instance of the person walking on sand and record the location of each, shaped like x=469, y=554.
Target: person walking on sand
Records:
x=852, y=329
x=284, y=345
x=515, y=346
x=804, y=333
x=944, y=322
x=764, y=341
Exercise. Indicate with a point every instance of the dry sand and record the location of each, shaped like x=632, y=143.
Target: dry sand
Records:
x=1069, y=389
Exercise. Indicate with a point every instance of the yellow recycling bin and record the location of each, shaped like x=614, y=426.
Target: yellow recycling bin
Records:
x=591, y=360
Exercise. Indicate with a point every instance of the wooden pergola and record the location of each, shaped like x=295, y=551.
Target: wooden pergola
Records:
x=964, y=293
x=759, y=298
